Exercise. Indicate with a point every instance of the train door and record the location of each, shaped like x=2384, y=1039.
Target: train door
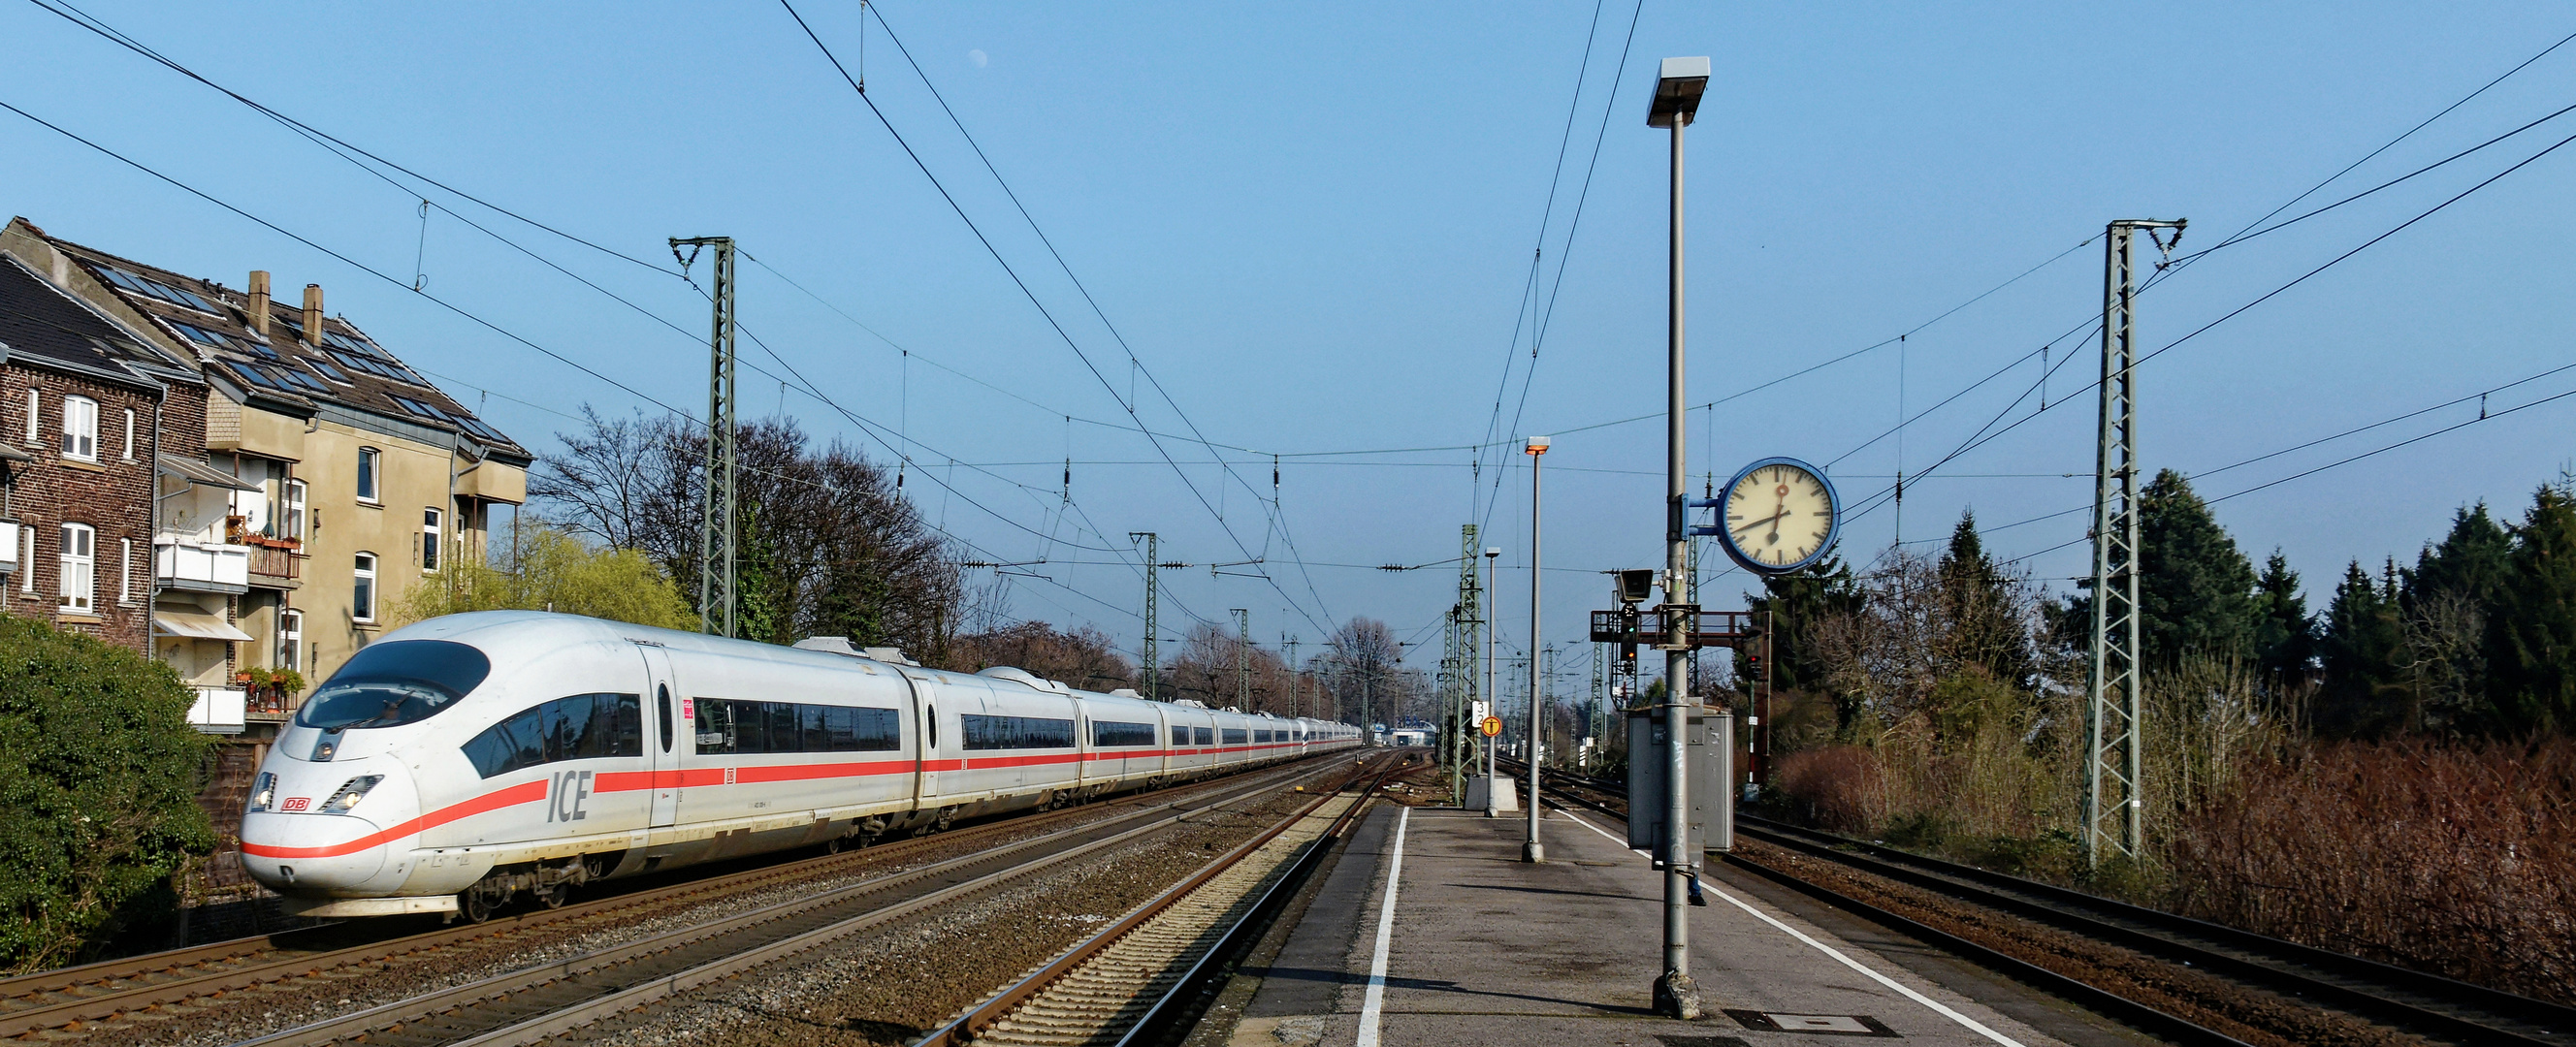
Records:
x=663, y=752
x=932, y=744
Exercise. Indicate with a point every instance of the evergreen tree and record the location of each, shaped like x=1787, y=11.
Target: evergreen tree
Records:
x=1980, y=602
x=2531, y=637
x=2360, y=646
x=2284, y=633
x=1797, y=601
x=2473, y=560
x=2195, y=589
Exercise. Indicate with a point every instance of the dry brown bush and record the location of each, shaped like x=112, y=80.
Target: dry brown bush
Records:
x=1841, y=788
x=2454, y=859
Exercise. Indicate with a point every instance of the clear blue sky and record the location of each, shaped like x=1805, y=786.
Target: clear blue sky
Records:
x=1313, y=225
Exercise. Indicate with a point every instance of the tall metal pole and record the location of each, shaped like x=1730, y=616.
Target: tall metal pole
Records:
x=2114, y=811
x=1676, y=993
x=1531, y=849
x=1492, y=808
x=717, y=537
x=1153, y=555
x=1242, y=666
x=1471, y=615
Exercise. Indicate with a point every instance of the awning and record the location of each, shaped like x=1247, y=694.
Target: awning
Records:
x=12, y=454
x=194, y=471
x=196, y=624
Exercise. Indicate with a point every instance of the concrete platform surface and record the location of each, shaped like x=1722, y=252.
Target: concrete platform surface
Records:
x=1479, y=948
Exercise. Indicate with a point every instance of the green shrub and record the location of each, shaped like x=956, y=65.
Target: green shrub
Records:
x=98, y=781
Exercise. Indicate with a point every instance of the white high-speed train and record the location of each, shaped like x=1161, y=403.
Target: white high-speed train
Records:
x=460, y=761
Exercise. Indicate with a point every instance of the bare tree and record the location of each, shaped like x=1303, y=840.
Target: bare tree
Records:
x=826, y=547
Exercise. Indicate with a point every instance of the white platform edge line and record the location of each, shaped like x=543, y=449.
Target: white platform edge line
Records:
x=1973, y=1025
x=1376, y=998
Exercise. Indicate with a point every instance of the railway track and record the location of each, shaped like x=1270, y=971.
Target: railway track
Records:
x=174, y=985
x=2431, y=1007
x=1135, y=979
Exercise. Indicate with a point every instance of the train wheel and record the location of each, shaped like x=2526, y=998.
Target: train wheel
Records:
x=554, y=896
x=475, y=904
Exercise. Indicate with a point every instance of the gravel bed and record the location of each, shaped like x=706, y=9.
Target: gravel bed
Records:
x=902, y=980
x=2251, y=1014
x=276, y=1007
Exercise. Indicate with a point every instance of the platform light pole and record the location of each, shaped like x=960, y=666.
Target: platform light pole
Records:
x=1678, y=86
x=1531, y=849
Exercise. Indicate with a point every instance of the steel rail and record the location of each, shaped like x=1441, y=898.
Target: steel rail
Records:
x=2143, y=1016
x=981, y=1018
x=2426, y=1003
x=269, y=959
x=788, y=927
x=2246, y=956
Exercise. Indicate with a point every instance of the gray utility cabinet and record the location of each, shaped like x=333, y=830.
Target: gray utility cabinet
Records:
x=1710, y=749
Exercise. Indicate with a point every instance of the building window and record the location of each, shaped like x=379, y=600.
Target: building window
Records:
x=129, y=434
x=429, y=539
x=291, y=514
x=80, y=428
x=362, y=598
x=290, y=639
x=33, y=401
x=27, y=579
x=367, y=465
x=80, y=564
x=125, y=570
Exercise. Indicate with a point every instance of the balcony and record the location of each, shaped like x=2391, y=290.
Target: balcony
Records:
x=201, y=566
x=218, y=710
x=275, y=561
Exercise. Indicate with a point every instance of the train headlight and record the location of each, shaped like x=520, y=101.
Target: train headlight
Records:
x=350, y=793
x=263, y=792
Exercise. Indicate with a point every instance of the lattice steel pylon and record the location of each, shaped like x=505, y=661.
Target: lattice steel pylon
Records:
x=1242, y=658
x=718, y=541
x=1151, y=670
x=1471, y=635
x=2114, y=809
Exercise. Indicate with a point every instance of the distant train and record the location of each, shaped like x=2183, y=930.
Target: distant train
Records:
x=458, y=762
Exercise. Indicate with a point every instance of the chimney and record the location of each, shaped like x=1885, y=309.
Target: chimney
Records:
x=313, y=314
x=259, y=301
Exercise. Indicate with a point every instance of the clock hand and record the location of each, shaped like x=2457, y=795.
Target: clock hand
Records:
x=1773, y=519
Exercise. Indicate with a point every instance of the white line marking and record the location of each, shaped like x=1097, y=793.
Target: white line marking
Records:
x=1973, y=1024
x=1376, y=998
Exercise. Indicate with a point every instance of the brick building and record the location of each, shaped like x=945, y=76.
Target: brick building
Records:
x=303, y=480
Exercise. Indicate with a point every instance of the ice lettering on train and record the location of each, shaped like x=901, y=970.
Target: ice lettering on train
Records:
x=565, y=794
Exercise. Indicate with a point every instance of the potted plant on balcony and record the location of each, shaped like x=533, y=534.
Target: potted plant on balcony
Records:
x=269, y=689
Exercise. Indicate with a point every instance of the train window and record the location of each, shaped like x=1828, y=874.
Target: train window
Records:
x=1016, y=732
x=1108, y=734
x=1180, y=735
x=392, y=684
x=1234, y=736
x=753, y=728
x=1205, y=735
x=579, y=727
x=664, y=693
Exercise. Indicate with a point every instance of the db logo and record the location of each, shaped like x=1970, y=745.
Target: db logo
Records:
x=297, y=803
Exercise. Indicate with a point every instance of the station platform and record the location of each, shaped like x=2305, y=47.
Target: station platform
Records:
x=1429, y=930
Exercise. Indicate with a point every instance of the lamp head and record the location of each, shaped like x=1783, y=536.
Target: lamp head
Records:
x=1677, y=89
x=1537, y=446
x=1492, y=551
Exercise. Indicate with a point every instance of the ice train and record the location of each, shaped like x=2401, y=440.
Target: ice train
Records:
x=456, y=763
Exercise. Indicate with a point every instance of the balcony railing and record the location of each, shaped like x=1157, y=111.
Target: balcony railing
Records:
x=201, y=566
x=219, y=710
x=275, y=561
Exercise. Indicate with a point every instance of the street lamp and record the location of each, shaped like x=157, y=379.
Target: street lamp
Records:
x=1531, y=851
x=1678, y=87
x=1492, y=706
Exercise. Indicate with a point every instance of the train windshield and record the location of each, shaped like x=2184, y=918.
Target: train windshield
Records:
x=392, y=684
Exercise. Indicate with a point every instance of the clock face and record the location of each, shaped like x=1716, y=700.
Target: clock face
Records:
x=1778, y=516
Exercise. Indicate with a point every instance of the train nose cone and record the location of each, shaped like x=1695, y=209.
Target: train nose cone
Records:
x=310, y=853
